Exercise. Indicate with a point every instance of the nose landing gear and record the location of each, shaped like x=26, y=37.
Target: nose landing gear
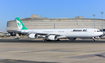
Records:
x=93, y=39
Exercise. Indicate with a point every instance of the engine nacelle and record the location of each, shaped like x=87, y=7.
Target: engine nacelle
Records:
x=52, y=37
x=32, y=36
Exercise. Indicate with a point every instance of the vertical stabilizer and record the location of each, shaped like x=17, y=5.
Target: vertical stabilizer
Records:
x=20, y=24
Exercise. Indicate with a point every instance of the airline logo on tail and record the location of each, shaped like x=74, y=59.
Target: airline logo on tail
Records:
x=20, y=24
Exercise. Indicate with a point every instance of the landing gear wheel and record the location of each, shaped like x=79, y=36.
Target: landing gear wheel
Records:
x=58, y=40
x=45, y=40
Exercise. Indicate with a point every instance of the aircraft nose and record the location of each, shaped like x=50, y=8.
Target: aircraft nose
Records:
x=101, y=33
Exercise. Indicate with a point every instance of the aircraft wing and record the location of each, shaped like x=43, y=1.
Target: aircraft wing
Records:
x=28, y=33
x=45, y=34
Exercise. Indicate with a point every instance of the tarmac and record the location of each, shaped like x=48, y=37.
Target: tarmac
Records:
x=65, y=51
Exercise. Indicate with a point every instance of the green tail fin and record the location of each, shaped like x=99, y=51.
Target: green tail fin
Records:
x=20, y=24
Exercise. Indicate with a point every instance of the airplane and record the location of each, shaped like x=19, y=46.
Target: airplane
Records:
x=57, y=34
x=3, y=34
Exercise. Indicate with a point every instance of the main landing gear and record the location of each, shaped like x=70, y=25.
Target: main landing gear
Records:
x=45, y=39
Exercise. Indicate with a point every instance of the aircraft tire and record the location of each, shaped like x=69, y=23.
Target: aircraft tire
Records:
x=58, y=40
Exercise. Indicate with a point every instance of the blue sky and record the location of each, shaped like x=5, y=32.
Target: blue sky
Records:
x=10, y=9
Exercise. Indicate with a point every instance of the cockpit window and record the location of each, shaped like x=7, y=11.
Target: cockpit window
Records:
x=98, y=31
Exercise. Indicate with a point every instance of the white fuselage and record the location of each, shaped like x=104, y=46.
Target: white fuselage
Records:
x=75, y=32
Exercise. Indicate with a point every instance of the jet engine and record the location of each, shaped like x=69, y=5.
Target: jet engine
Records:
x=52, y=37
x=32, y=36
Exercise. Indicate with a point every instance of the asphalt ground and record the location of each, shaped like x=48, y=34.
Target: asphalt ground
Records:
x=64, y=51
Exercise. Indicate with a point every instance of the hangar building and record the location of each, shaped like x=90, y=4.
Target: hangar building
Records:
x=36, y=22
